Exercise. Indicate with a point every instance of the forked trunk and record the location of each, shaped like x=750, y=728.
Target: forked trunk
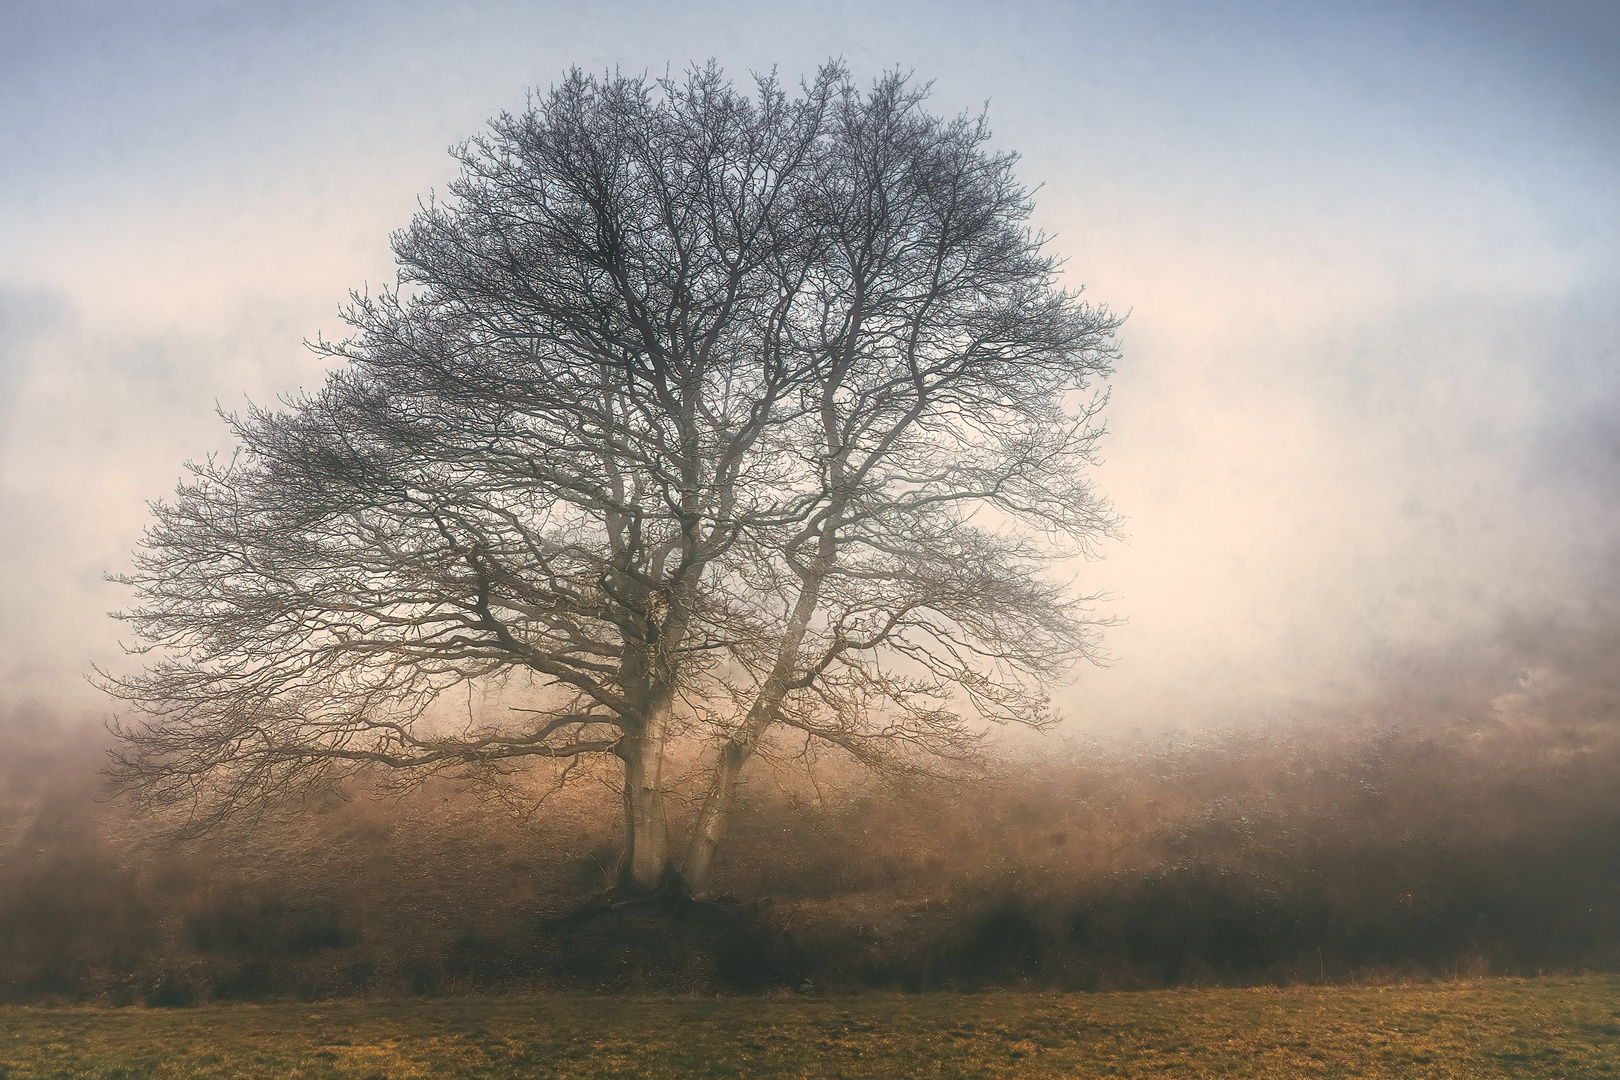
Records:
x=714, y=817
x=722, y=796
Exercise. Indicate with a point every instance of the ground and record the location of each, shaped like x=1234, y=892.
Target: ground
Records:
x=1552, y=1027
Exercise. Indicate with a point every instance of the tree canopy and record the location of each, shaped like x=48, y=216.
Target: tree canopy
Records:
x=695, y=414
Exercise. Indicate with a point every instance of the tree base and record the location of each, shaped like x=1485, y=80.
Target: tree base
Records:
x=671, y=898
x=661, y=939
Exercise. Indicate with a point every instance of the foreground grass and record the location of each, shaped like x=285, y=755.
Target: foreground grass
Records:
x=1492, y=1028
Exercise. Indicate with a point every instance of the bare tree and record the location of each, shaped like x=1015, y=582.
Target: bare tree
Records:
x=694, y=415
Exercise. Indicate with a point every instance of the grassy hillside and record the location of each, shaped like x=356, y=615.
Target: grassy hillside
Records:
x=1328, y=853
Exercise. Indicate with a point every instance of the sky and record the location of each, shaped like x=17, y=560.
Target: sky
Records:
x=1367, y=405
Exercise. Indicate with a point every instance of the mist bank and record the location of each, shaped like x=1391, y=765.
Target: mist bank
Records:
x=1351, y=846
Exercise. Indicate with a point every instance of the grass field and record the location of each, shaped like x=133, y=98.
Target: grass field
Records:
x=1490, y=1028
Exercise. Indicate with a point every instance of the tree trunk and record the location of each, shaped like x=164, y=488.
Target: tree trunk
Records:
x=734, y=754
x=647, y=861
x=714, y=817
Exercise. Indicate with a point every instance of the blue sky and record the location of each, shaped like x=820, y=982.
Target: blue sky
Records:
x=1371, y=254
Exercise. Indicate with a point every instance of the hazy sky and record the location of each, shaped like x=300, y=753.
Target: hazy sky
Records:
x=1371, y=254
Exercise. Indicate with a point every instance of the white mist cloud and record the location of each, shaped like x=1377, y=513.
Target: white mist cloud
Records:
x=1370, y=257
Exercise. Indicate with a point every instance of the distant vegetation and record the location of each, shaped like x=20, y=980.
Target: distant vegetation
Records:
x=1341, y=853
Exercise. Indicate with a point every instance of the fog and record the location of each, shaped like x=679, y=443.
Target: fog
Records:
x=1348, y=850
x=1361, y=688
x=1364, y=414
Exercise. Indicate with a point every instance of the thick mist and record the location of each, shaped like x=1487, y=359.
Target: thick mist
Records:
x=1350, y=849
x=1359, y=719
x=1369, y=369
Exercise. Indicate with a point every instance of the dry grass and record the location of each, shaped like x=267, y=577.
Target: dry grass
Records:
x=1320, y=852
x=1555, y=1027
